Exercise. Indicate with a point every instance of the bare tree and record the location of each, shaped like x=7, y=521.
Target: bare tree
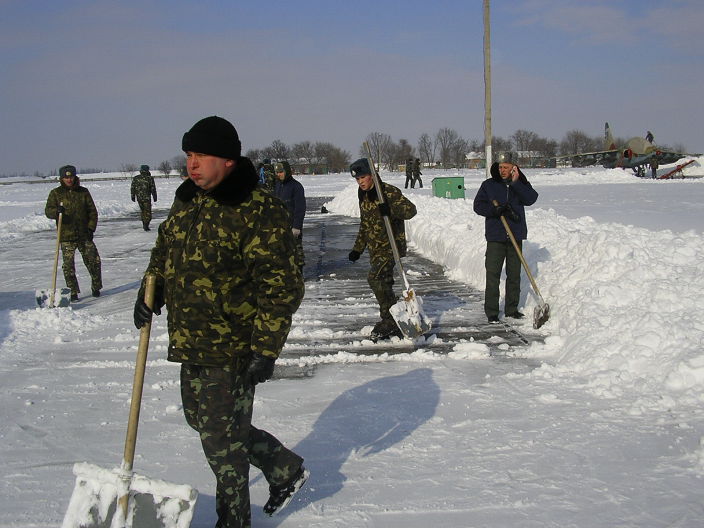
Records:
x=426, y=149
x=459, y=152
x=305, y=150
x=165, y=168
x=255, y=155
x=179, y=163
x=575, y=142
x=380, y=145
x=279, y=150
x=524, y=139
x=445, y=142
x=127, y=169
x=337, y=160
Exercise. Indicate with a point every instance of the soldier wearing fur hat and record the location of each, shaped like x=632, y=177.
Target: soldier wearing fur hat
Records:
x=225, y=269
x=372, y=236
x=510, y=188
x=79, y=221
x=143, y=189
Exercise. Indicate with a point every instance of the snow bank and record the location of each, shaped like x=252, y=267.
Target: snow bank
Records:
x=625, y=301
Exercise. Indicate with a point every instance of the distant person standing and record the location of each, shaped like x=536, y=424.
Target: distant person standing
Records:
x=509, y=187
x=409, y=173
x=654, y=167
x=78, y=223
x=291, y=193
x=416, y=174
x=143, y=189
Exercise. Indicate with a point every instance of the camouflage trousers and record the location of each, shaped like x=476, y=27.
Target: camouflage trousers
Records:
x=381, y=280
x=145, y=210
x=91, y=259
x=218, y=404
x=300, y=255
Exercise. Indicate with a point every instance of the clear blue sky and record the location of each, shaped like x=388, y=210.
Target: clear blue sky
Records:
x=99, y=84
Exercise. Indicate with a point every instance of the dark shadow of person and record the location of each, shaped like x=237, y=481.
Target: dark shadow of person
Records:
x=366, y=420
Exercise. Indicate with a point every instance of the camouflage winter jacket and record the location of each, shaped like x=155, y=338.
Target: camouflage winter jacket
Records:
x=80, y=218
x=143, y=188
x=372, y=232
x=224, y=261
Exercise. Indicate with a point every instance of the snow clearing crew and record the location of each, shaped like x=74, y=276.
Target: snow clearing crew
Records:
x=372, y=235
x=224, y=260
x=78, y=223
x=511, y=189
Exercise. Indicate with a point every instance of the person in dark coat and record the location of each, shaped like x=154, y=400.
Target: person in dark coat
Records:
x=510, y=188
x=409, y=173
x=291, y=192
x=417, y=174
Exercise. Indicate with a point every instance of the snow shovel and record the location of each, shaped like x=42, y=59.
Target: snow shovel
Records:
x=119, y=498
x=541, y=313
x=47, y=298
x=408, y=312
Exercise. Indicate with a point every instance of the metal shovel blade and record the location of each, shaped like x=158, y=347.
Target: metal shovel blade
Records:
x=152, y=503
x=62, y=298
x=409, y=316
x=541, y=314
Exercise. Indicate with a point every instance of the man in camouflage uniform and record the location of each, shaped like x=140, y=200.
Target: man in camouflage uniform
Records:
x=416, y=174
x=143, y=190
x=78, y=223
x=224, y=264
x=372, y=235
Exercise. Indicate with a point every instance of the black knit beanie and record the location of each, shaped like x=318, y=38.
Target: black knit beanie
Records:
x=215, y=136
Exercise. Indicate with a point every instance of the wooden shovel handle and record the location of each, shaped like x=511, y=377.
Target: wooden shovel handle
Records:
x=138, y=384
x=52, y=295
x=519, y=252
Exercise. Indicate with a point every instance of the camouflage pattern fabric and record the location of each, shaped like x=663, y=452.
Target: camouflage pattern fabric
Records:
x=143, y=190
x=143, y=187
x=80, y=218
x=225, y=262
x=269, y=177
x=416, y=174
x=372, y=235
x=218, y=404
x=91, y=259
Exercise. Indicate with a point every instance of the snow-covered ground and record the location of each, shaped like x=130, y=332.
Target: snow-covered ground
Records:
x=606, y=430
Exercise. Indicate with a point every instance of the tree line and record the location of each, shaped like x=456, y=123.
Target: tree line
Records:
x=445, y=149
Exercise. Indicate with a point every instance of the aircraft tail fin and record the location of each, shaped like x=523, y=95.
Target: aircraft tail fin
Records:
x=609, y=143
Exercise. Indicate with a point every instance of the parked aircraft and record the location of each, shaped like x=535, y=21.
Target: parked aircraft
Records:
x=636, y=154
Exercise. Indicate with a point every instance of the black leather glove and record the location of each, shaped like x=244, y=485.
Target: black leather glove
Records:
x=142, y=312
x=89, y=234
x=260, y=369
x=133, y=198
x=354, y=255
x=60, y=209
x=384, y=209
x=511, y=214
x=500, y=210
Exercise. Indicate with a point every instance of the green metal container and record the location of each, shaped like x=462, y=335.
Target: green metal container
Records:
x=448, y=187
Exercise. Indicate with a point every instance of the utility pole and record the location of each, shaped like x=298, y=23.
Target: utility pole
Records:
x=487, y=87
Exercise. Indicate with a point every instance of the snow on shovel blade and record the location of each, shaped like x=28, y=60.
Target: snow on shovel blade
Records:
x=62, y=298
x=541, y=314
x=152, y=503
x=409, y=316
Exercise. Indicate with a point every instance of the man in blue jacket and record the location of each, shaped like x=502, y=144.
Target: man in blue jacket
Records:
x=509, y=187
